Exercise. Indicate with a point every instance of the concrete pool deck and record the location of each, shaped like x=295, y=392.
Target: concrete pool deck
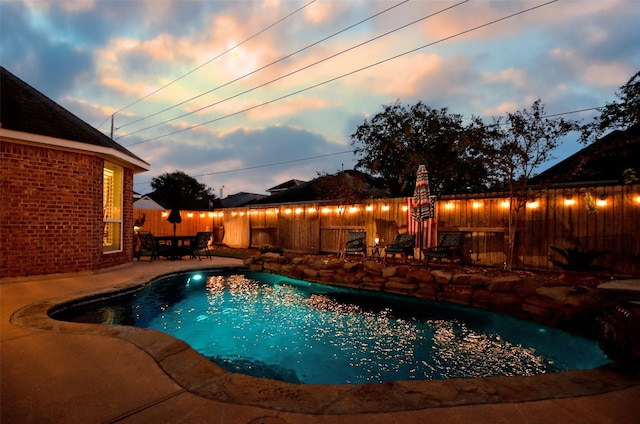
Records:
x=63, y=372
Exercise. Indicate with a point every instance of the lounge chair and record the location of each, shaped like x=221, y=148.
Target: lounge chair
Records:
x=199, y=245
x=403, y=245
x=356, y=244
x=450, y=247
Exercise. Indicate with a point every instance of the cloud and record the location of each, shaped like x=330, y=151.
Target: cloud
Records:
x=27, y=51
x=101, y=57
x=218, y=156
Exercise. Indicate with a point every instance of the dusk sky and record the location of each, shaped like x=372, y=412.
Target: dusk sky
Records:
x=249, y=94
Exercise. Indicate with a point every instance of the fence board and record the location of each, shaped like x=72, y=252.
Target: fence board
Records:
x=316, y=227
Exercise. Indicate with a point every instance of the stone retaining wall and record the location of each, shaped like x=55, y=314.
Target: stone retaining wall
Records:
x=560, y=304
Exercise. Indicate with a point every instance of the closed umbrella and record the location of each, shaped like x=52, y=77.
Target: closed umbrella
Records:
x=174, y=204
x=422, y=208
x=174, y=218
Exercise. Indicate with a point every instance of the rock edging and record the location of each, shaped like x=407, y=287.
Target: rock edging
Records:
x=570, y=307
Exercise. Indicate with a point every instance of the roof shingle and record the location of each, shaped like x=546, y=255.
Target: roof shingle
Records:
x=25, y=109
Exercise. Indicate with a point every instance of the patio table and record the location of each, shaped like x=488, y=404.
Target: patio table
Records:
x=178, y=246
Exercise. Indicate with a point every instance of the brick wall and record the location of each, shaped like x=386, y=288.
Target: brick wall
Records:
x=51, y=212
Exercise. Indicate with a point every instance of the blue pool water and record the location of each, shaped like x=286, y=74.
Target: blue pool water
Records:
x=276, y=327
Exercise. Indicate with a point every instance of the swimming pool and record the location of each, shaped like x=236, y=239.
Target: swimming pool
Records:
x=281, y=328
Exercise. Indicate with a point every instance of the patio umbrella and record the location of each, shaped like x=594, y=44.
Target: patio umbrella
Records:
x=422, y=207
x=174, y=216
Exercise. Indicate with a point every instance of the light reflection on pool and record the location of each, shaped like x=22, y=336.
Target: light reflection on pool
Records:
x=276, y=327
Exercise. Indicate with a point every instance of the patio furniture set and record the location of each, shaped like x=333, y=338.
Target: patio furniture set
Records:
x=173, y=247
x=450, y=247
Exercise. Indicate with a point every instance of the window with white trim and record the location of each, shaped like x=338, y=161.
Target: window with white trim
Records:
x=112, y=208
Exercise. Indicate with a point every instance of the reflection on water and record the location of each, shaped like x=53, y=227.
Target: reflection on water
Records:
x=274, y=327
x=314, y=334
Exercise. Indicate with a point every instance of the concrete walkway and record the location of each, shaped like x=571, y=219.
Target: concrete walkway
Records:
x=55, y=372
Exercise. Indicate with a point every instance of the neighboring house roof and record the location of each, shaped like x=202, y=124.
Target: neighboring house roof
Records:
x=145, y=202
x=603, y=162
x=317, y=189
x=240, y=199
x=285, y=186
x=24, y=111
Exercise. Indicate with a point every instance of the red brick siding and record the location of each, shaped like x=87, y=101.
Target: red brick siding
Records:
x=51, y=212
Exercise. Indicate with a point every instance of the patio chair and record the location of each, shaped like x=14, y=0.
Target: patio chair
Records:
x=403, y=245
x=356, y=244
x=148, y=246
x=450, y=247
x=199, y=245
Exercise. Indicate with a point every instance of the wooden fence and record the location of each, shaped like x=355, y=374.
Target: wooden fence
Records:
x=588, y=218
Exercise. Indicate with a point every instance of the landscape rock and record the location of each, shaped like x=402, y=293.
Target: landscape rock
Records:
x=442, y=277
x=524, y=297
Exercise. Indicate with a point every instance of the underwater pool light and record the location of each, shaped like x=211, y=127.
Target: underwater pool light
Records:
x=194, y=277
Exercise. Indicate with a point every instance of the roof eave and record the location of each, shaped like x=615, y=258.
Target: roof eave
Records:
x=135, y=163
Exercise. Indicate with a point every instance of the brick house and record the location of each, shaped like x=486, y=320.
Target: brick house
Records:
x=66, y=189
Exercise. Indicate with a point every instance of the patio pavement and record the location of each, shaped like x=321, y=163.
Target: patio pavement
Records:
x=53, y=372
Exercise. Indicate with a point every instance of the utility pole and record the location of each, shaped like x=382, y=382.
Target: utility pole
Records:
x=112, y=116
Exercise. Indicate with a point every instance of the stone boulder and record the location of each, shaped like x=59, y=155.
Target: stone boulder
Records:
x=373, y=267
x=620, y=334
x=442, y=277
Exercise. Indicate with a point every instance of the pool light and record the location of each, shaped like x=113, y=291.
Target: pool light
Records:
x=194, y=278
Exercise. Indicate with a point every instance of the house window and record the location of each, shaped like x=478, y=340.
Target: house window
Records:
x=112, y=208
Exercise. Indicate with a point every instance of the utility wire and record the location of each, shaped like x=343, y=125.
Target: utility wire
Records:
x=266, y=165
x=349, y=73
x=210, y=60
x=296, y=71
x=261, y=68
x=350, y=151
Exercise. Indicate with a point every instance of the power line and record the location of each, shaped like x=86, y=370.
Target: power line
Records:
x=210, y=60
x=258, y=69
x=349, y=73
x=349, y=151
x=296, y=71
x=266, y=165
x=573, y=111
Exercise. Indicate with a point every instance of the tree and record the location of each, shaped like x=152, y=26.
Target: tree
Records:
x=397, y=140
x=347, y=187
x=618, y=115
x=179, y=190
x=519, y=144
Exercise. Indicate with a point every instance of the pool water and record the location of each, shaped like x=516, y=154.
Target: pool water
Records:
x=276, y=327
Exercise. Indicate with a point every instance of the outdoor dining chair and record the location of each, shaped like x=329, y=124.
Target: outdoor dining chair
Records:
x=148, y=246
x=199, y=246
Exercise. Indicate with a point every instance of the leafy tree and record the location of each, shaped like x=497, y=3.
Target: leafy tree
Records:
x=618, y=115
x=178, y=190
x=518, y=144
x=347, y=187
x=394, y=142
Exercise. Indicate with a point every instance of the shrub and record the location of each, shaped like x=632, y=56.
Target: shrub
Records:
x=578, y=260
